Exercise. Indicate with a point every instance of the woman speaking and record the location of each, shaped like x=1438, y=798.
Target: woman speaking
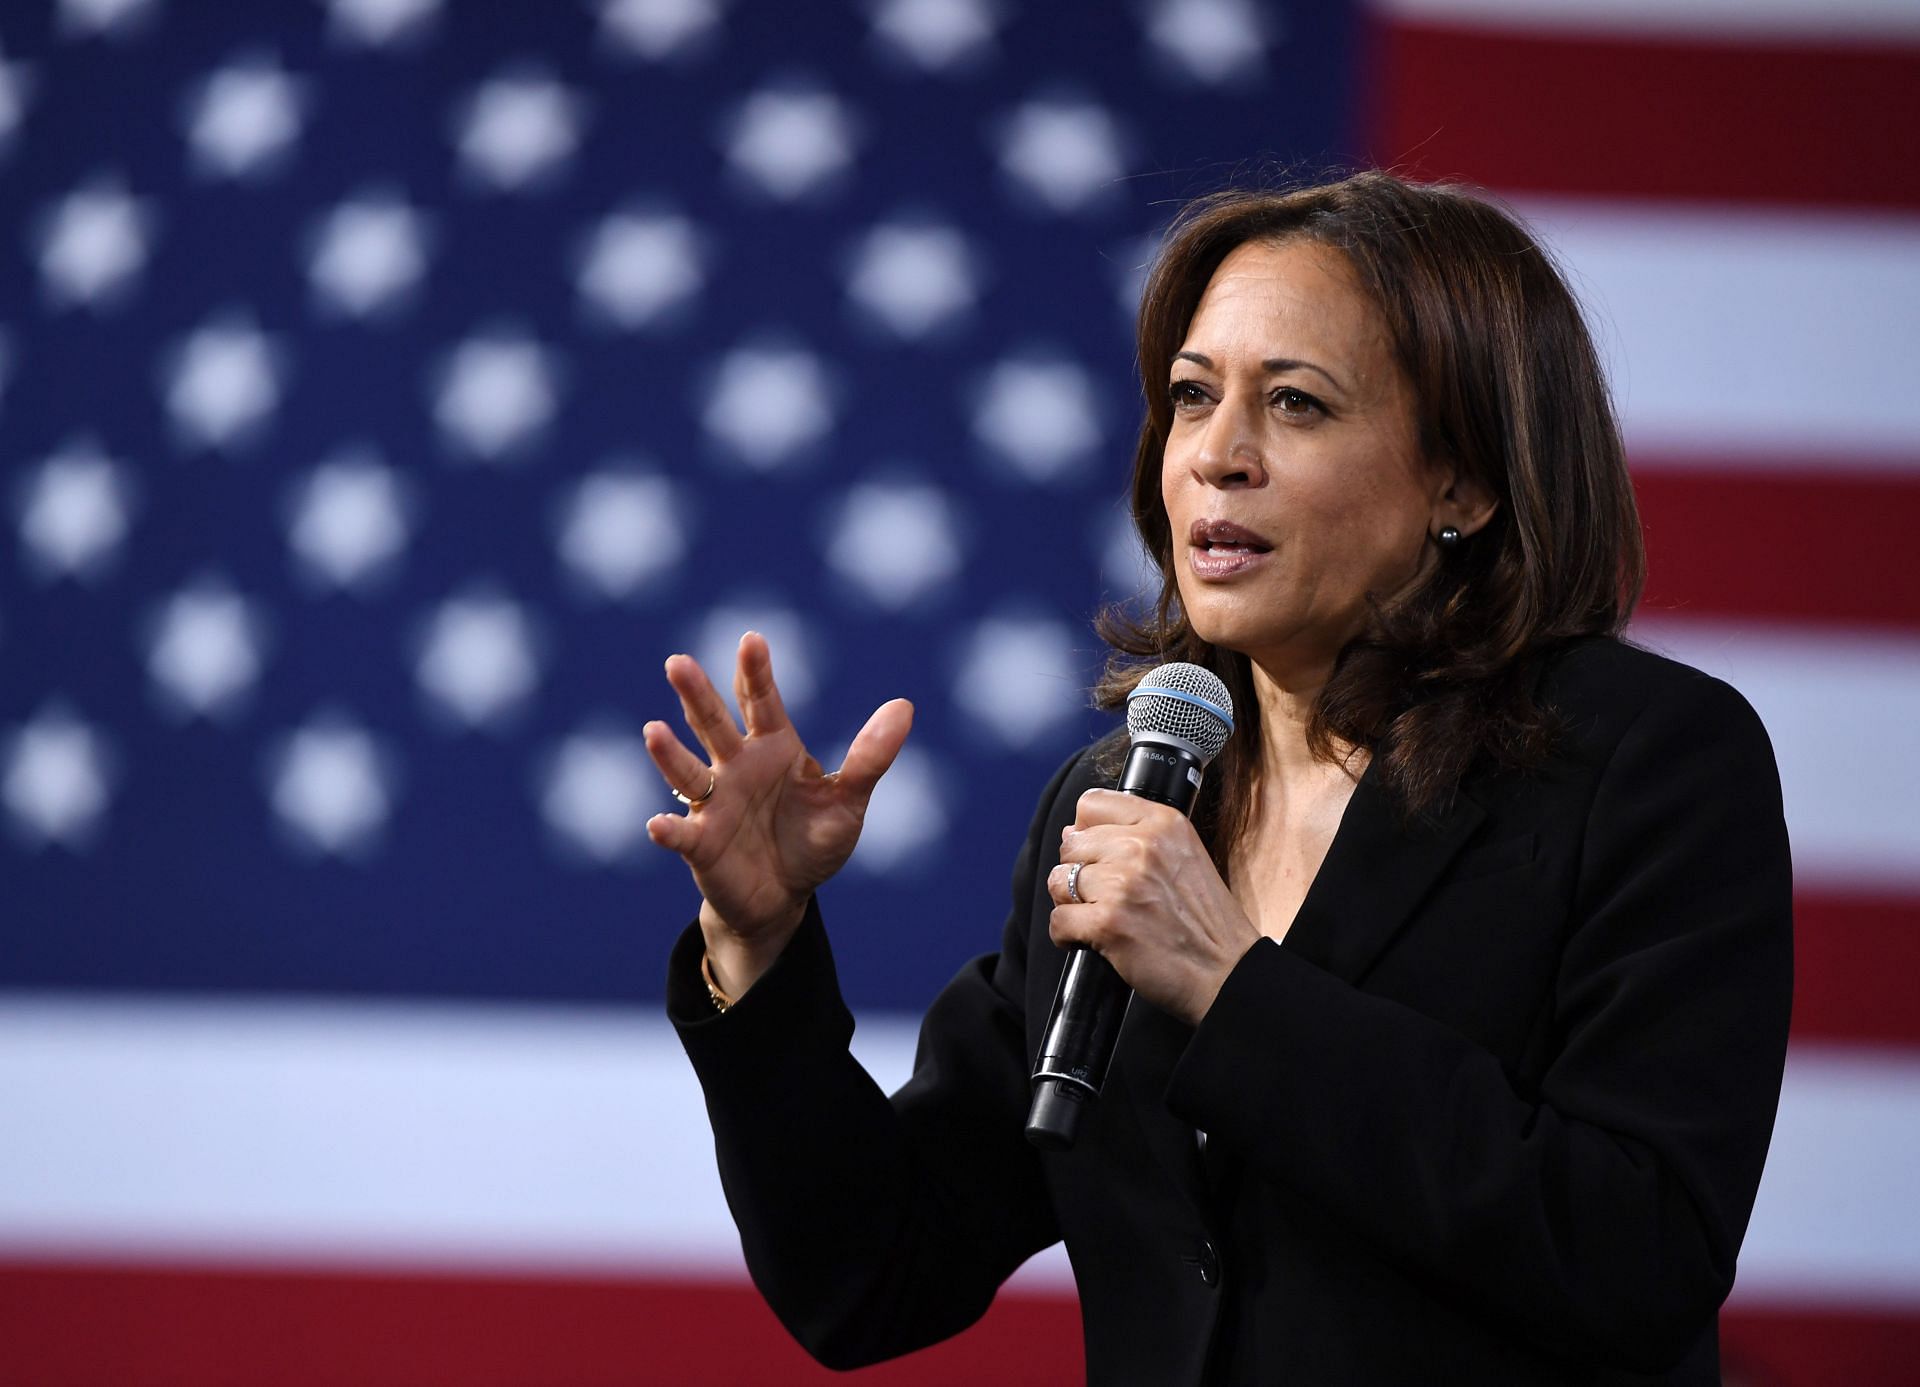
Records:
x=1461, y=1000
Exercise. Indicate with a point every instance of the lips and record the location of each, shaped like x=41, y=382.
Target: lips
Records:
x=1225, y=537
x=1219, y=550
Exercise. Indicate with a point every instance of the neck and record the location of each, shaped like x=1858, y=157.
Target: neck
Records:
x=1286, y=696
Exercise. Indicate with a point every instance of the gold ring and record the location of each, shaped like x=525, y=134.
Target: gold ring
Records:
x=701, y=798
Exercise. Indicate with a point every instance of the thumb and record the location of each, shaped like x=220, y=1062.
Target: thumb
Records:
x=875, y=746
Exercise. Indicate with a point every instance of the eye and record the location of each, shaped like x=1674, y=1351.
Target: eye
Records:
x=1186, y=394
x=1296, y=402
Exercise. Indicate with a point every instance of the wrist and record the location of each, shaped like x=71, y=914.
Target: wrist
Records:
x=1215, y=984
x=734, y=962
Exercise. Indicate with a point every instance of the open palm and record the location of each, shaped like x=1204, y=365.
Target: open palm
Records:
x=773, y=825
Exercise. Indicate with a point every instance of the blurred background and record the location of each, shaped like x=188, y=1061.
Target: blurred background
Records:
x=388, y=386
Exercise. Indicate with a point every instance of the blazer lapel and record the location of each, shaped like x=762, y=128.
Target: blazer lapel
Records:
x=1376, y=871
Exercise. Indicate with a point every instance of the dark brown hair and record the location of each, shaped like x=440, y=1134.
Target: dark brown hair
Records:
x=1509, y=389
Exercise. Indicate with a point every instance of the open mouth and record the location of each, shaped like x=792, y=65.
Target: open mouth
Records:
x=1223, y=538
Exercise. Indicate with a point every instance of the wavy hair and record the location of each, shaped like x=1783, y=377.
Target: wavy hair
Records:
x=1509, y=389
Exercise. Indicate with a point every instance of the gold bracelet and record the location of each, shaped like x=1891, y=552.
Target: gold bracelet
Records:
x=721, y=1001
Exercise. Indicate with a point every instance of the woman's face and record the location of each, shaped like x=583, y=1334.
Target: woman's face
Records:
x=1292, y=479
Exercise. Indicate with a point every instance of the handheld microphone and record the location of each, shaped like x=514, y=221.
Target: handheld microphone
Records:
x=1178, y=719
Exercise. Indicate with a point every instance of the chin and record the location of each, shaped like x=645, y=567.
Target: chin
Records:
x=1227, y=630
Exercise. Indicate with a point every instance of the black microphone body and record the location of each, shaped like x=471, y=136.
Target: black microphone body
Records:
x=1084, y=1025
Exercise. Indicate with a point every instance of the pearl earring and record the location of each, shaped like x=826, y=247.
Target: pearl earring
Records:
x=1448, y=538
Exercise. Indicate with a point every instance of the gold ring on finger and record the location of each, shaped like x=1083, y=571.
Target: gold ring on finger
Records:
x=701, y=798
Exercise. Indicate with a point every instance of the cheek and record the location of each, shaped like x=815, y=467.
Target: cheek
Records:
x=1363, y=522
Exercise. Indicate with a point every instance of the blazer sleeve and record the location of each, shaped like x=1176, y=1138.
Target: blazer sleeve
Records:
x=873, y=1226
x=1601, y=1215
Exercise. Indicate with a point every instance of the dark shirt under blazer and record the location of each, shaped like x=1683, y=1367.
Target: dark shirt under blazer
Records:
x=1494, y=1111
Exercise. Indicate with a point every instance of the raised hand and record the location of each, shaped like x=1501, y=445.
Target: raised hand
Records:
x=765, y=825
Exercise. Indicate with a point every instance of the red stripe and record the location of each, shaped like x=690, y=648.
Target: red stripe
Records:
x=144, y=1327
x=1793, y=122
x=154, y=1327
x=1778, y=1347
x=1817, y=546
x=1855, y=961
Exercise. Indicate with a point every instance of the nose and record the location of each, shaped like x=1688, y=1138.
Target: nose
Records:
x=1229, y=454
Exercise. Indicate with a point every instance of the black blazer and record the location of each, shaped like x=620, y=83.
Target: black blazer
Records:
x=1494, y=1111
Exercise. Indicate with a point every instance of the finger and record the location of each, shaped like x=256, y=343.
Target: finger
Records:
x=1068, y=925
x=1111, y=807
x=680, y=768
x=676, y=833
x=706, y=714
x=1090, y=844
x=875, y=746
x=754, y=689
x=1067, y=889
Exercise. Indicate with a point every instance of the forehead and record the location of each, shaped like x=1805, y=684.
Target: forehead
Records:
x=1296, y=298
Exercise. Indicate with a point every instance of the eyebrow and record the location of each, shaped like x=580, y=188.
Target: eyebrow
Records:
x=1271, y=364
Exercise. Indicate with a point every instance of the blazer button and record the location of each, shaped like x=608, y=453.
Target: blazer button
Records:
x=1209, y=1263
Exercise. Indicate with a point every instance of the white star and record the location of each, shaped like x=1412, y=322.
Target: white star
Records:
x=913, y=278
x=619, y=530
x=245, y=119
x=1125, y=566
x=56, y=779
x=478, y=659
x=895, y=542
x=222, y=383
x=716, y=646
x=656, y=29
x=517, y=131
x=1132, y=264
x=348, y=521
x=791, y=143
x=115, y=18
x=203, y=650
x=332, y=786
x=906, y=816
x=936, y=34
x=368, y=255
x=635, y=267
x=767, y=404
x=93, y=244
x=1017, y=678
x=598, y=789
x=1213, y=41
x=16, y=86
x=380, y=23
x=1062, y=154
x=494, y=393
x=74, y=511
x=1040, y=415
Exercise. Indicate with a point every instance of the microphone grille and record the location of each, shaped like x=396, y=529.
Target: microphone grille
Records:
x=1182, y=701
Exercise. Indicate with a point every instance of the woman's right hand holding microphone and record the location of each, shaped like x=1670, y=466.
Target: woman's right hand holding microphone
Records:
x=765, y=825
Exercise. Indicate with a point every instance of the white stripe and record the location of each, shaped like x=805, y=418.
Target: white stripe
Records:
x=1836, y=1222
x=546, y=1139
x=369, y=1133
x=354, y=1132
x=1843, y=710
x=1725, y=20
x=1767, y=339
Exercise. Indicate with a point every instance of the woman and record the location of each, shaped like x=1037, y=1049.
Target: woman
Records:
x=1473, y=967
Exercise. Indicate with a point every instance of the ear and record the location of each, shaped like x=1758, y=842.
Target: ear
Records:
x=1464, y=502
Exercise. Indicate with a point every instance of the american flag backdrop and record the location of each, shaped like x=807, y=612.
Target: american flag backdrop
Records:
x=388, y=386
